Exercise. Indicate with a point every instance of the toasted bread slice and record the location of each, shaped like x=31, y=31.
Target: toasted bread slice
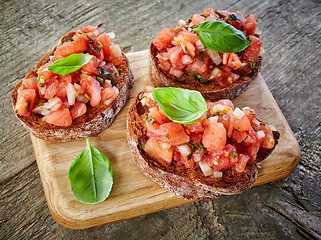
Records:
x=210, y=91
x=186, y=183
x=95, y=120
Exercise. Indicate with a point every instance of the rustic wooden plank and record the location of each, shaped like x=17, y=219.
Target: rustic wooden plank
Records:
x=291, y=68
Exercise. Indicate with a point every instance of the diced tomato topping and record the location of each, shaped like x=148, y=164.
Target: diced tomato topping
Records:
x=175, y=57
x=251, y=53
x=250, y=113
x=196, y=137
x=63, y=81
x=61, y=117
x=231, y=60
x=208, y=11
x=78, y=109
x=240, y=136
x=157, y=115
x=92, y=86
x=51, y=89
x=159, y=150
x=197, y=19
x=214, y=137
x=172, y=133
x=241, y=164
x=25, y=101
x=30, y=83
x=107, y=93
x=199, y=67
x=92, y=66
x=163, y=38
x=241, y=124
x=227, y=78
x=250, y=25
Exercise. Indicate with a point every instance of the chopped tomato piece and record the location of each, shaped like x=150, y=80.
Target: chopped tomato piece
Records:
x=92, y=66
x=78, y=109
x=63, y=81
x=30, y=83
x=105, y=41
x=214, y=137
x=231, y=60
x=93, y=88
x=61, y=117
x=157, y=115
x=25, y=101
x=51, y=89
x=241, y=164
x=250, y=25
x=172, y=133
x=175, y=56
x=163, y=38
x=251, y=53
x=197, y=19
x=159, y=150
x=241, y=124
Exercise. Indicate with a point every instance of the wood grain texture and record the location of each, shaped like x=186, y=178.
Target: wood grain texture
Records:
x=291, y=68
x=142, y=196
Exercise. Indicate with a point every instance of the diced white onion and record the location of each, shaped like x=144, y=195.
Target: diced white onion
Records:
x=111, y=35
x=198, y=154
x=176, y=72
x=143, y=101
x=246, y=108
x=215, y=56
x=109, y=100
x=258, y=32
x=213, y=119
x=53, y=104
x=115, y=50
x=77, y=86
x=260, y=134
x=217, y=174
x=238, y=113
x=184, y=150
x=41, y=110
x=71, y=94
x=164, y=145
x=261, y=52
x=216, y=73
x=272, y=128
x=199, y=45
x=186, y=59
x=181, y=23
x=206, y=169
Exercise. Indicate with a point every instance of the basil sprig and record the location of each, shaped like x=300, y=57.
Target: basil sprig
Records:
x=91, y=176
x=69, y=64
x=180, y=105
x=221, y=37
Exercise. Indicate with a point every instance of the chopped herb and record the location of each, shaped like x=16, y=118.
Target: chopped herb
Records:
x=40, y=104
x=106, y=74
x=194, y=148
x=28, y=107
x=233, y=154
x=217, y=114
x=16, y=110
x=249, y=39
x=100, y=80
x=40, y=85
x=38, y=80
x=219, y=14
x=143, y=145
x=199, y=77
x=97, y=49
x=150, y=120
x=201, y=57
x=254, y=128
x=262, y=123
x=144, y=91
x=234, y=17
x=252, y=113
x=244, y=140
x=190, y=19
x=167, y=135
x=251, y=65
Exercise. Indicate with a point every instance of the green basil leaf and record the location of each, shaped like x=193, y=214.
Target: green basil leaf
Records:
x=69, y=64
x=180, y=105
x=91, y=176
x=221, y=37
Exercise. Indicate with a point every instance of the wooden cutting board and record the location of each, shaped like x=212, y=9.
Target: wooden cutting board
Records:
x=133, y=194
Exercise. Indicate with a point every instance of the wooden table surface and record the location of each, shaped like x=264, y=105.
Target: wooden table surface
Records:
x=286, y=209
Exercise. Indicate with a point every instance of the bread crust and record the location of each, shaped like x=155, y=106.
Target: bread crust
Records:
x=186, y=183
x=94, y=121
x=210, y=91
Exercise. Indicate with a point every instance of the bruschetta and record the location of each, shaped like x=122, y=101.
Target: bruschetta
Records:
x=217, y=53
x=219, y=153
x=76, y=89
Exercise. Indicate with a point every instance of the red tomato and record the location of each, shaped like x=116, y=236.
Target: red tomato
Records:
x=251, y=53
x=25, y=101
x=157, y=115
x=197, y=19
x=30, y=83
x=172, y=133
x=164, y=63
x=250, y=113
x=241, y=164
x=231, y=60
x=208, y=11
x=240, y=136
x=196, y=137
x=107, y=93
x=91, y=66
x=51, y=89
x=242, y=124
x=226, y=102
x=63, y=81
x=93, y=88
x=61, y=117
x=175, y=56
x=163, y=38
x=197, y=126
x=43, y=71
x=65, y=49
x=250, y=25
x=160, y=151
x=78, y=109
x=227, y=78
x=105, y=41
x=214, y=137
